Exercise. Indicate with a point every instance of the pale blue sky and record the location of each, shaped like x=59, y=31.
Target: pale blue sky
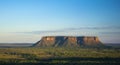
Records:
x=29, y=20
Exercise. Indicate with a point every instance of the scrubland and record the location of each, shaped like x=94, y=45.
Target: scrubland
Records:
x=59, y=56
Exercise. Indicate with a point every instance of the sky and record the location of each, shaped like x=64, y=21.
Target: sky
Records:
x=26, y=21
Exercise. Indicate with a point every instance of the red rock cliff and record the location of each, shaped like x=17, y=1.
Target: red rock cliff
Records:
x=67, y=41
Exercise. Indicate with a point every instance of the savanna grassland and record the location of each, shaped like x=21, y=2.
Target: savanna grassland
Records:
x=59, y=56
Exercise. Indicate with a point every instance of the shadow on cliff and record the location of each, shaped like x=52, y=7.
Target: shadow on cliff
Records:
x=80, y=40
x=59, y=41
x=62, y=41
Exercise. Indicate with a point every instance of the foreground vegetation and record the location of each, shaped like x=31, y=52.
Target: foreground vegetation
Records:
x=59, y=56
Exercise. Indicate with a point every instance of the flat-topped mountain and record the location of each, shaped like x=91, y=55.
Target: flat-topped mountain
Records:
x=56, y=41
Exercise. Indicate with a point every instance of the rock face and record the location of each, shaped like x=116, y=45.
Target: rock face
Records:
x=56, y=41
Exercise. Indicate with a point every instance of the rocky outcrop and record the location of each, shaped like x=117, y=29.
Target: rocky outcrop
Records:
x=56, y=41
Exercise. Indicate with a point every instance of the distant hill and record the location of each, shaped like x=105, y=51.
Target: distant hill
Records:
x=114, y=45
x=9, y=45
x=71, y=41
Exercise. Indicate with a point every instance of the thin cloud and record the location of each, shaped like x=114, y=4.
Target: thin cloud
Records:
x=42, y=32
x=115, y=33
x=94, y=28
x=76, y=30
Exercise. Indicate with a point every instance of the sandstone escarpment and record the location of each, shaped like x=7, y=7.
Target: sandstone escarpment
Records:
x=67, y=41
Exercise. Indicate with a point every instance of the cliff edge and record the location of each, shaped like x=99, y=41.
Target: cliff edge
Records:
x=56, y=41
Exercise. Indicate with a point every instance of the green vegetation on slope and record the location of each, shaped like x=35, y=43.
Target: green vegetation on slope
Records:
x=59, y=55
